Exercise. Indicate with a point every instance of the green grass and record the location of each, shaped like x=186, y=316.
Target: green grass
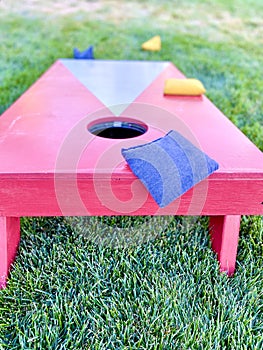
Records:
x=66, y=291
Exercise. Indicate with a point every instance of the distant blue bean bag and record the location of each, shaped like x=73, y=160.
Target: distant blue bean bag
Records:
x=86, y=54
x=169, y=166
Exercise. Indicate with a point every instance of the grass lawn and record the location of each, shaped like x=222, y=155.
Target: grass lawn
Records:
x=66, y=291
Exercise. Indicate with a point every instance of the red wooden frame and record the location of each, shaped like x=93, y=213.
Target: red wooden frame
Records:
x=51, y=165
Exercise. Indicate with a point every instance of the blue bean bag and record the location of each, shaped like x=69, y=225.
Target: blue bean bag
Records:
x=86, y=54
x=169, y=166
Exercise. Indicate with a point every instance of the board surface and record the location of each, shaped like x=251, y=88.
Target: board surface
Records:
x=48, y=155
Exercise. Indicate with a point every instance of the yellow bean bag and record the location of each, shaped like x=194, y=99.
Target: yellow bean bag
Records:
x=154, y=44
x=192, y=87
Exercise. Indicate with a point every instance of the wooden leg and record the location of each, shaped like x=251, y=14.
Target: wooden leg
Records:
x=9, y=242
x=224, y=232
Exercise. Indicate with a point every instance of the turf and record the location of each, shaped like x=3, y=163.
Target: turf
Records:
x=73, y=289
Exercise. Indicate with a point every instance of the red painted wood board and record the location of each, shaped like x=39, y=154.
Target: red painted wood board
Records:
x=43, y=137
x=50, y=164
x=9, y=242
x=39, y=198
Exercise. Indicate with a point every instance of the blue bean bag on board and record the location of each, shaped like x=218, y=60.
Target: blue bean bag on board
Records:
x=169, y=166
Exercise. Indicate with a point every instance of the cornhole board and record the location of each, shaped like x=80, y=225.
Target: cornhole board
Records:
x=53, y=161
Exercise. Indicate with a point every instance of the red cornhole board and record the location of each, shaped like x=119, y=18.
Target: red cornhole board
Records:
x=53, y=164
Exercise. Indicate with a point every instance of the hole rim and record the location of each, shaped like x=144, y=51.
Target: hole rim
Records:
x=101, y=125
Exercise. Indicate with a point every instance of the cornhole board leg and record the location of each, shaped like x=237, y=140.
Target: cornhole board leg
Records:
x=9, y=242
x=224, y=231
